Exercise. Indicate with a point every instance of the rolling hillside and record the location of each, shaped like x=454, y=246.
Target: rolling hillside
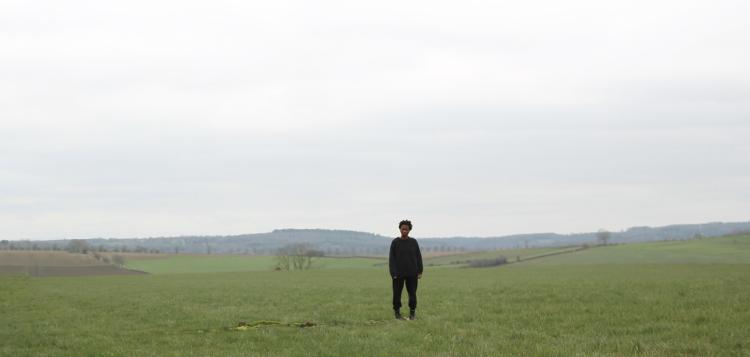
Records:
x=349, y=243
x=720, y=250
x=43, y=263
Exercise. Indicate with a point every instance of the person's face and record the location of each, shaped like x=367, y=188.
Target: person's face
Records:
x=404, y=230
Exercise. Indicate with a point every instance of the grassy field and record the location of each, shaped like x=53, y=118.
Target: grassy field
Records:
x=581, y=303
x=510, y=254
x=722, y=250
x=182, y=264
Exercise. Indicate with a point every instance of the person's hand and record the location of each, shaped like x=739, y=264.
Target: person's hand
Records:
x=395, y=277
x=419, y=276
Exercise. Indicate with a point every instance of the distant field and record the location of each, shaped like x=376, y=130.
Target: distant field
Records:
x=727, y=250
x=510, y=254
x=47, y=258
x=47, y=263
x=607, y=301
x=181, y=264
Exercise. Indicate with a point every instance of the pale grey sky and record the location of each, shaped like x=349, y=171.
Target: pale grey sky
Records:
x=475, y=118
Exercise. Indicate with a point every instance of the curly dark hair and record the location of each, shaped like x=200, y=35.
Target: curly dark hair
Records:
x=404, y=222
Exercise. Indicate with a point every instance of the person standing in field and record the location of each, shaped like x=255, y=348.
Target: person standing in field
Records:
x=405, y=264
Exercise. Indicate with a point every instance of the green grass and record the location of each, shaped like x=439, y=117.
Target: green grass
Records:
x=510, y=254
x=182, y=264
x=727, y=250
x=609, y=308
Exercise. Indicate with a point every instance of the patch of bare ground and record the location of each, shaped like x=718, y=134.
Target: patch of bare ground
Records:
x=55, y=263
x=137, y=256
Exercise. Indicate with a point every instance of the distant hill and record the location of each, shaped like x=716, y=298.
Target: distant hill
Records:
x=344, y=242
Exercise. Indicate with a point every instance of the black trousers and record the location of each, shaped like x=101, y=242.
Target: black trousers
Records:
x=411, y=288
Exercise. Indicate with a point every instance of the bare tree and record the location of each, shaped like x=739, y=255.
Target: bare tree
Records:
x=603, y=236
x=301, y=257
x=282, y=259
x=78, y=246
x=296, y=256
x=119, y=260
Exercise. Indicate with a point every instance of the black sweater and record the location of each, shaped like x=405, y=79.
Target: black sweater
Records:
x=405, y=258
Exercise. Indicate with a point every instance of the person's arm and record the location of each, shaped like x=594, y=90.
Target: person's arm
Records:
x=419, y=260
x=392, y=260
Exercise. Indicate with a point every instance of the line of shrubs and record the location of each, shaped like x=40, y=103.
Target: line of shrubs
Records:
x=482, y=263
x=115, y=259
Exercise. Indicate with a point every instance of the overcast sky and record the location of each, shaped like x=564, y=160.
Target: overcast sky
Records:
x=474, y=118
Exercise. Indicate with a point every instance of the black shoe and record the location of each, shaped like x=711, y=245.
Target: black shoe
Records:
x=398, y=315
x=413, y=315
